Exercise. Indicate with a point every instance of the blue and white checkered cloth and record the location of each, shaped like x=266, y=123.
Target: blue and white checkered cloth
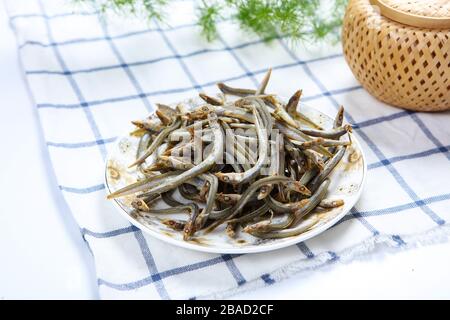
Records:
x=89, y=79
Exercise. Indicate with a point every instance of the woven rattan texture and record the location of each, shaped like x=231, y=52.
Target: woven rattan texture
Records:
x=401, y=65
x=428, y=8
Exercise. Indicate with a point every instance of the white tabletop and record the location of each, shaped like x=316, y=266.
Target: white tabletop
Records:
x=44, y=257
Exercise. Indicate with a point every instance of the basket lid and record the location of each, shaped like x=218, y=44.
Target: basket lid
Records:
x=417, y=13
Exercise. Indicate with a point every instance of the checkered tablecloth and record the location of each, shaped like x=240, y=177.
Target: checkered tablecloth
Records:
x=89, y=77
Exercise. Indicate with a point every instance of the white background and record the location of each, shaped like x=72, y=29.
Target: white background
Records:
x=42, y=255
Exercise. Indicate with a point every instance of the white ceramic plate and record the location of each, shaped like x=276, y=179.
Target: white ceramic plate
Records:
x=347, y=181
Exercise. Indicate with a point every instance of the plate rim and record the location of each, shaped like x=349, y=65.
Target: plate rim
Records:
x=250, y=249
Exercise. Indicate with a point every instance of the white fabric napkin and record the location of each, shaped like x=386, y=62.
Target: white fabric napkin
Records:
x=90, y=78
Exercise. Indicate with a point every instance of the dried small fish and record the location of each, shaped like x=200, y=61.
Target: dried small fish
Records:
x=190, y=208
x=152, y=124
x=329, y=166
x=292, y=104
x=157, y=142
x=166, y=114
x=177, y=225
x=205, y=165
x=141, y=185
x=235, y=91
x=264, y=82
x=335, y=133
x=244, y=177
x=211, y=100
x=330, y=203
x=229, y=167
x=266, y=231
x=256, y=213
x=248, y=193
x=228, y=198
x=213, y=183
x=323, y=142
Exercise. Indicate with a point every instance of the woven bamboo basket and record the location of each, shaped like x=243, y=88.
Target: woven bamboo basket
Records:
x=399, y=50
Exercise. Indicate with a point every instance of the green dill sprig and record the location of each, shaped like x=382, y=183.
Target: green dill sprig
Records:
x=293, y=19
x=208, y=18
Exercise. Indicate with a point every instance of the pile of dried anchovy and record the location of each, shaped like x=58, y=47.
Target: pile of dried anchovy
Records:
x=206, y=155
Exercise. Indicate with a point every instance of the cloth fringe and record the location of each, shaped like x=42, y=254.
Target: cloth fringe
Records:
x=435, y=235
